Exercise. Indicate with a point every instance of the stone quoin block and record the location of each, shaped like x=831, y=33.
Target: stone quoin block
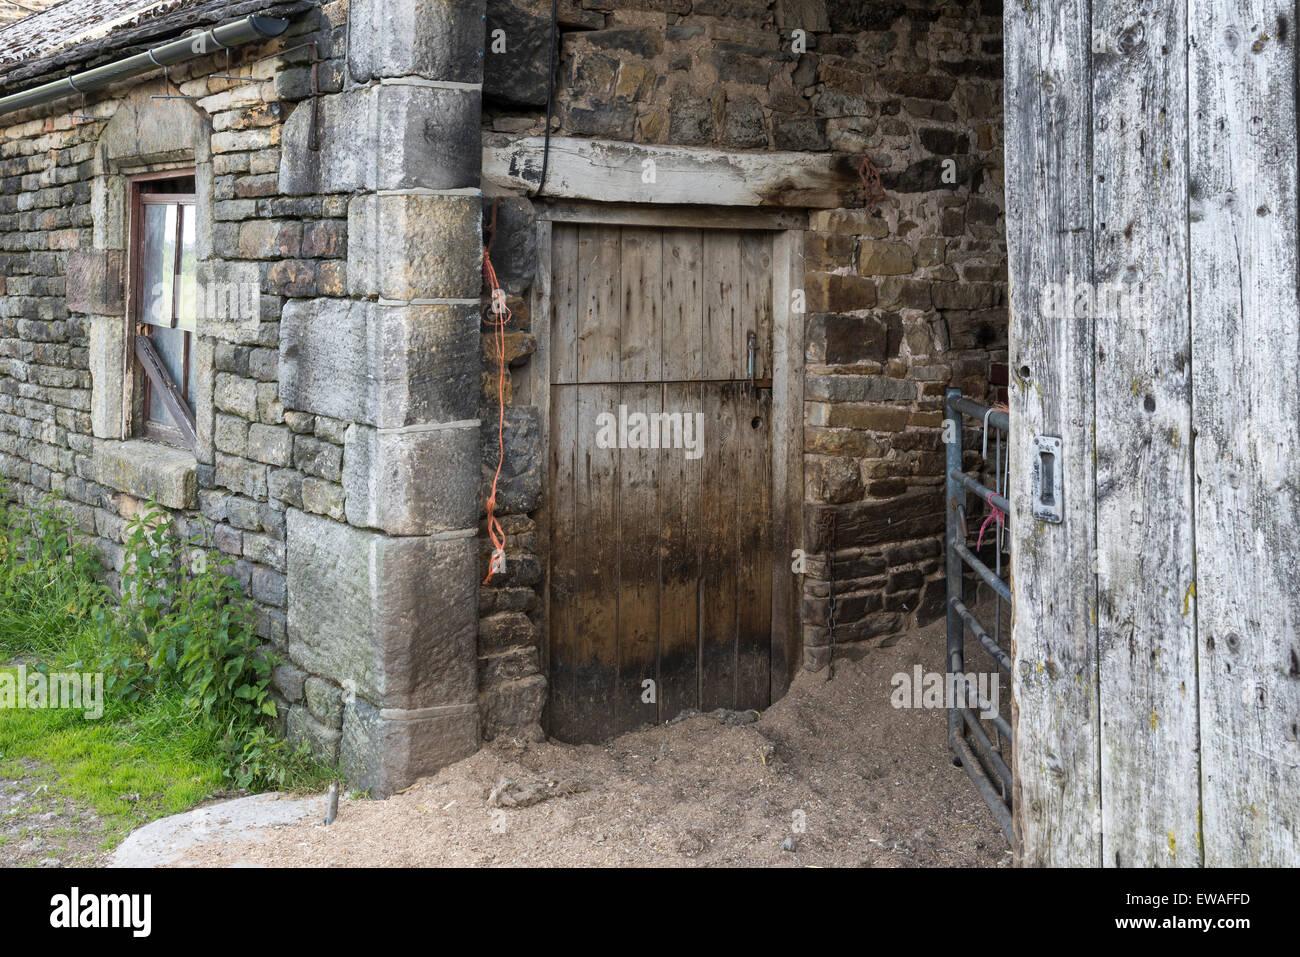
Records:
x=433, y=39
x=413, y=481
x=385, y=366
x=394, y=618
x=393, y=136
x=384, y=750
x=416, y=246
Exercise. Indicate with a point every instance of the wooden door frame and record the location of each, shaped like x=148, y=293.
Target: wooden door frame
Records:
x=787, y=393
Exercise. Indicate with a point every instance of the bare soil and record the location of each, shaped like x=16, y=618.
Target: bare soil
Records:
x=40, y=829
x=831, y=775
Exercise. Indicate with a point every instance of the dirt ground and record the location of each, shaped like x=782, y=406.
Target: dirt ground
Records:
x=831, y=775
x=38, y=829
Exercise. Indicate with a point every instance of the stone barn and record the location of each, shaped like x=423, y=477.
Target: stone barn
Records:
x=553, y=367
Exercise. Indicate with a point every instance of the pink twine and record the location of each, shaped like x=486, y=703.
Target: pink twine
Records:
x=995, y=513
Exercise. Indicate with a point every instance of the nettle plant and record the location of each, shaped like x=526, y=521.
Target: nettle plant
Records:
x=184, y=624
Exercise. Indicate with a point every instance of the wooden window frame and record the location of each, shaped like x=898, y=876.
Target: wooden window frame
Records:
x=147, y=368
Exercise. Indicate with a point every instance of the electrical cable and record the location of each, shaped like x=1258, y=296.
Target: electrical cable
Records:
x=550, y=99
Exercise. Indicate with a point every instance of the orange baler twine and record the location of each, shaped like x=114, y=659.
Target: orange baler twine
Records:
x=501, y=318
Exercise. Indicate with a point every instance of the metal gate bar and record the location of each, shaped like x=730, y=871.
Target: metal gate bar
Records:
x=979, y=749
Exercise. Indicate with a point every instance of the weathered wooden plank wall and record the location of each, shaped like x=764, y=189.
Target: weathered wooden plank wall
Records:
x=1151, y=155
x=1049, y=238
x=1146, y=633
x=1246, y=413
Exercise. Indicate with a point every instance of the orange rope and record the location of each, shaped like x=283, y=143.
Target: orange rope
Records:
x=502, y=318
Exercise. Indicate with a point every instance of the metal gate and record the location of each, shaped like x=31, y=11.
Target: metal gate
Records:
x=979, y=730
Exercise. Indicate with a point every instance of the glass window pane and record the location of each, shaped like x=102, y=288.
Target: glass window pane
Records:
x=189, y=270
x=157, y=262
x=170, y=344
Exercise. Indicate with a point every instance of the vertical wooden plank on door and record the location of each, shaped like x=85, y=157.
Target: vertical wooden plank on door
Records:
x=564, y=294
x=596, y=527
x=638, y=567
x=723, y=352
x=753, y=549
x=563, y=717
x=1246, y=417
x=1049, y=227
x=681, y=481
x=682, y=309
x=538, y=377
x=600, y=303
x=754, y=480
x=718, y=559
x=1146, y=626
x=641, y=335
x=755, y=308
x=787, y=456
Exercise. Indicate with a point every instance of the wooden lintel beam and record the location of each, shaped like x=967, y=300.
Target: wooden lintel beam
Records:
x=607, y=171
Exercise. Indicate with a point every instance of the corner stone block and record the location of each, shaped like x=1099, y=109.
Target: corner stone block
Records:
x=384, y=366
x=386, y=750
x=389, y=137
x=415, y=481
x=394, y=618
x=429, y=138
x=407, y=247
x=433, y=39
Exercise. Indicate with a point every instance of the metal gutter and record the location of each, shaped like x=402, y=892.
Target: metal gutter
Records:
x=237, y=33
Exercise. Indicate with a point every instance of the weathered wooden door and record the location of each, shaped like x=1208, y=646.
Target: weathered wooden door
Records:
x=660, y=475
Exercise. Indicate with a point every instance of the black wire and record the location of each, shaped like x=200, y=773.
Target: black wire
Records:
x=550, y=99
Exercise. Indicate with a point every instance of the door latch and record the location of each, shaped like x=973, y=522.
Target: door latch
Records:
x=1048, y=505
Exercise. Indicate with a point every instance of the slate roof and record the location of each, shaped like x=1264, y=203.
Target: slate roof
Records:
x=74, y=22
x=72, y=34
x=11, y=10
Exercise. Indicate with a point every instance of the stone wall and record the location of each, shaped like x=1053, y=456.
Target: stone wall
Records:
x=62, y=203
x=331, y=424
x=347, y=437
x=905, y=297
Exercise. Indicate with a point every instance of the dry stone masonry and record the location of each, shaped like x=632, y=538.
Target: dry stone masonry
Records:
x=347, y=434
x=903, y=300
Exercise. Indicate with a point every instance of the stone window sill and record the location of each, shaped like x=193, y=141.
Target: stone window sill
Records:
x=148, y=470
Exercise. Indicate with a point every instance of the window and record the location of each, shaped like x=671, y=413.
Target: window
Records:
x=163, y=307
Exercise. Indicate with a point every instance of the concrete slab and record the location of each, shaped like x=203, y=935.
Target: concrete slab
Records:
x=242, y=820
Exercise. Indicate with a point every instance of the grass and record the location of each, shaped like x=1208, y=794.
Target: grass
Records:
x=105, y=764
x=149, y=755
